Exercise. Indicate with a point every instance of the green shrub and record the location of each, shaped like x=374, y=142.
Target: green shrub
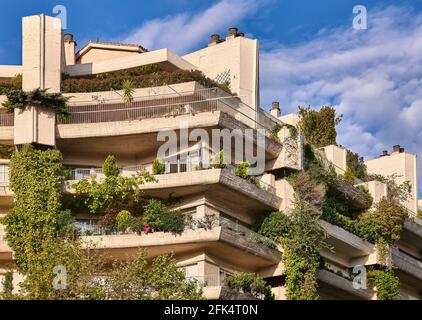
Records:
x=137, y=225
x=140, y=79
x=250, y=283
x=123, y=220
x=158, y=167
x=110, y=167
x=9, y=84
x=319, y=127
x=218, y=161
x=19, y=99
x=7, y=284
x=273, y=225
x=386, y=282
x=386, y=220
x=159, y=218
x=242, y=170
x=348, y=176
x=356, y=165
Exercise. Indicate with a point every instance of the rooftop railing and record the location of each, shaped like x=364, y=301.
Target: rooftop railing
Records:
x=164, y=105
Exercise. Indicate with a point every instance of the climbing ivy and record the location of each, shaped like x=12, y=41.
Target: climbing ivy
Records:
x=301, y=237
x=386, y=283
x=35, y=178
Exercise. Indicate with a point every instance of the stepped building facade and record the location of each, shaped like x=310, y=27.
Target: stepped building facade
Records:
x=103, y=123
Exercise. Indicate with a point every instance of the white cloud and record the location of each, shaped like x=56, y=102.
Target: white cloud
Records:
x=373, y=77
x=183, y=32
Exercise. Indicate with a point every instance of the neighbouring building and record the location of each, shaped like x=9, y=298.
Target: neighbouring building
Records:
x=102, y=123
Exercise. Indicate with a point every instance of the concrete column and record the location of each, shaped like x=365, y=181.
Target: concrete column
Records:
x=69, y=49
x=41, y=59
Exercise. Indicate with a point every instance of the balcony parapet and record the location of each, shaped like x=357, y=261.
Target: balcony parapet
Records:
x=344, y=285
x=406, y=263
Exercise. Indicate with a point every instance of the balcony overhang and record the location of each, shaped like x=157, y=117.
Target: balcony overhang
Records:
x=226, y=244
x=165, y=58
x=333, y=287
x=238, y=194
x=349, y=250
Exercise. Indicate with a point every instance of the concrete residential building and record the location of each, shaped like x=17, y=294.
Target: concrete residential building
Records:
x=101, y=123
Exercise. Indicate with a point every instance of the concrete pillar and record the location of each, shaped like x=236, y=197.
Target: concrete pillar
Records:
x=41, y=52
x=69, y=49
x=41, y=59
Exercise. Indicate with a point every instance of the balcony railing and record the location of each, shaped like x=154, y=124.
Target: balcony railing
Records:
x=87, y=173
x=211, y=280
x=94, y=228
x=164, y=105
x=6, y=119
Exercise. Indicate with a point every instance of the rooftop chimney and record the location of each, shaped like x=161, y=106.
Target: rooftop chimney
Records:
x=233, y=33
x=69, y=48
x=396, y=148
x=215, y=39
x=275, y=109
x=384, y=153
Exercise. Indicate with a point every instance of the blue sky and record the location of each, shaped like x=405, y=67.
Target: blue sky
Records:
x=310, y=54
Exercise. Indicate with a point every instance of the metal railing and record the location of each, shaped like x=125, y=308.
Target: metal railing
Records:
x=163, y=105
x=94, y=228
x=244, y=231
x=210, y=280
x=7, y=119
x=86, y=173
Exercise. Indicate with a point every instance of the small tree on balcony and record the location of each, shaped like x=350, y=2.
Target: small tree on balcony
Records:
x=127, y=87
x=158, y=167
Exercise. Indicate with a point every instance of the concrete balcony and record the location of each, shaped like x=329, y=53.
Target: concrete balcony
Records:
x=107, y=124
x=407, y=265
x=411, y=237
x=335, y=287
x=237, y=248
x=220, y=185
x=349, y=250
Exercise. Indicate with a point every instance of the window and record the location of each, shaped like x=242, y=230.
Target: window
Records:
x=4, y=173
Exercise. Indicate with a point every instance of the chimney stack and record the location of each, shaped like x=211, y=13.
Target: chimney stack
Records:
x=396, y=148
x=233, y=33
x=69, y=49
x=385, y=153
x=215, y=39
x=275, y=109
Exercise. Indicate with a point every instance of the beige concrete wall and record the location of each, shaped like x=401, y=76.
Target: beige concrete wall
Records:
x=337, y=156
x=286, y=192
x=377, y=190
x=10, y=71
x=35, y=125
x=404, y=165
x=239, y=57
x=98, y=55
x=41, y=52
x=292, y=119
